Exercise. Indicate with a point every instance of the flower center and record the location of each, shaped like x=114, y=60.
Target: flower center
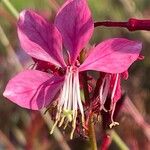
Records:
x=70, y=101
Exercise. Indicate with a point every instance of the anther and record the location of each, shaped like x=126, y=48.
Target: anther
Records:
x=52, y=130
x=70, y=101
x=114, y=123
x=61, y=121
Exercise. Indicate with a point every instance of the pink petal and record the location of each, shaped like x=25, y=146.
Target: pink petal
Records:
x=75, y=23
x=33, y=89
x=39, y=38
x=112, y=56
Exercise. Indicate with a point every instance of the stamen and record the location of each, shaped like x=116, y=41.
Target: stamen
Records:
x=104, y=92
x=66, y=124
x=78, y=96
x=73, y=126
x=52, y=130
x=74, y=98
x=112, y=117
x=70, y=93
x=115, y=86
x=70, y=101
x=61, y=121
x=57, y=119
x=66, y=91
x=113, y=105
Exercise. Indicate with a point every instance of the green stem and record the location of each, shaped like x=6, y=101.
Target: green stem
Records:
x=10, y=8
x=115, y=137
x=91, y=131
x=92, y=136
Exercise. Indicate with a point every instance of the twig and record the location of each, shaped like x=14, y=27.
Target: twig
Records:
x=132, y=24
x=130, y=7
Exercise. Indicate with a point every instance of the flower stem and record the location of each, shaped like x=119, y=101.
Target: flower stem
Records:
x=132, y=24
x=92, y=136
x=10, y=8
x=91, y=131
x=115, y=137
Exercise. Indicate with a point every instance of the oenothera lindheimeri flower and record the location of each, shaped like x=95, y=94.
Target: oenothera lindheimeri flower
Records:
x=110, y=90
x=73, y=26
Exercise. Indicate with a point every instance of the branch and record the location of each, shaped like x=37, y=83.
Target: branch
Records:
x=132, y=24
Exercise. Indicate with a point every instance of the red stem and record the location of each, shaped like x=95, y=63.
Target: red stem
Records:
x=132, y=24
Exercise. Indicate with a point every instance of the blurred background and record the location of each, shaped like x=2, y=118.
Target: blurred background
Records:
x=25, y=129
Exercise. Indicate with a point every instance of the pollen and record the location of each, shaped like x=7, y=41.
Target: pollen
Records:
x=70, y=101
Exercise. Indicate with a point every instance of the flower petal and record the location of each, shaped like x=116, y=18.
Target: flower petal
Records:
x=75, y=23
x=39, y=38
x=33, y=89
x=112, y=56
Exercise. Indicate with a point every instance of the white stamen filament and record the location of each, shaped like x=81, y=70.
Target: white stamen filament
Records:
x=104, y=91
x=70, y=101
x=78, y=97
x=113, y=105
x=115, y=86
x=113, y=123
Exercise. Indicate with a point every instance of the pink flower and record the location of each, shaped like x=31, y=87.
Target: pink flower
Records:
x=42, y=40
x=110, y=89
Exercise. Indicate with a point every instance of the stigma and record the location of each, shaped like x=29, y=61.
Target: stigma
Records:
x=70, y=101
